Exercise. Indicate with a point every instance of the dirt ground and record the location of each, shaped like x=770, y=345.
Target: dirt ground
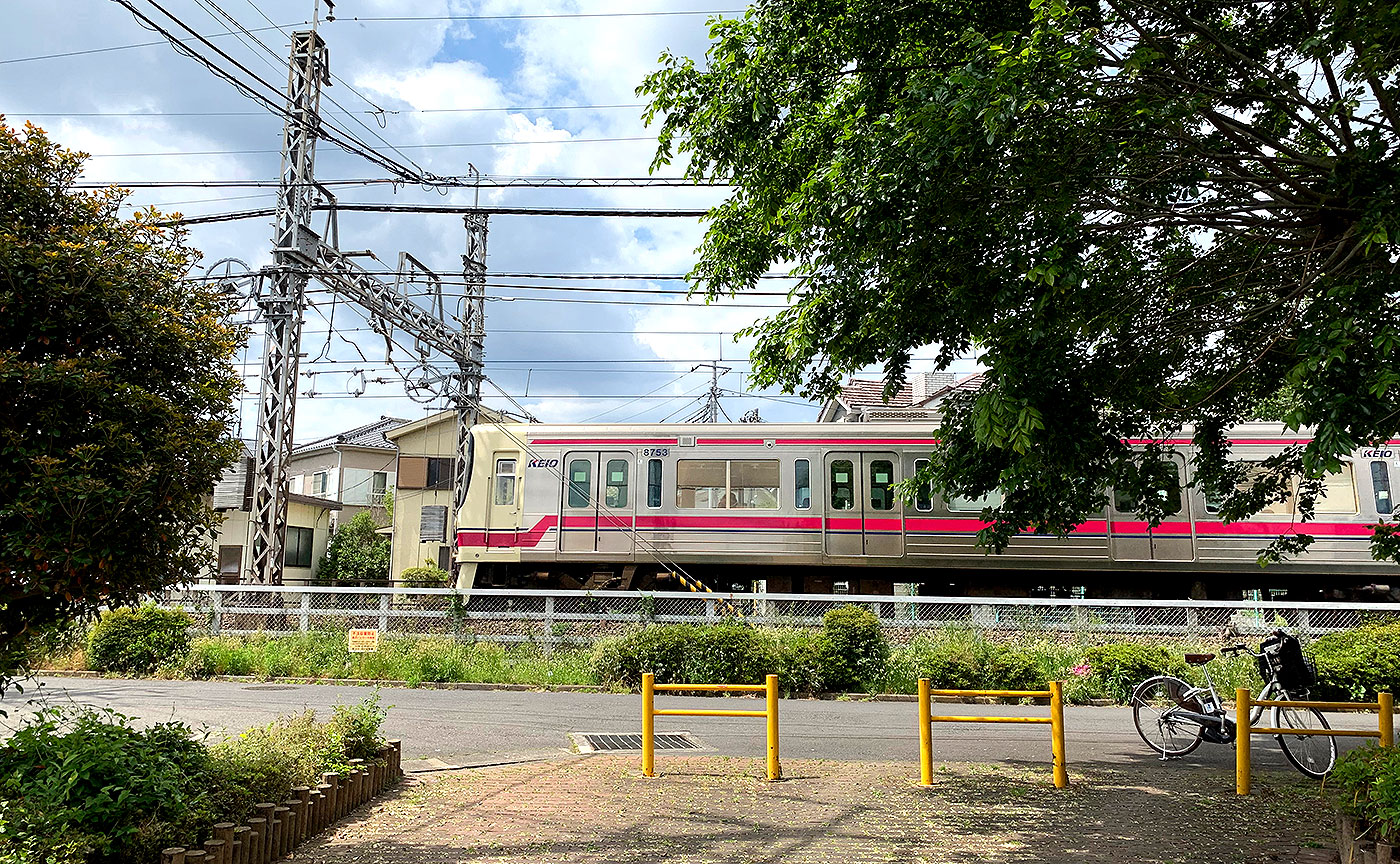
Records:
x=719, y=809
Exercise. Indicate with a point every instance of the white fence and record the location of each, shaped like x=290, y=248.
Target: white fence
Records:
x=562, y=617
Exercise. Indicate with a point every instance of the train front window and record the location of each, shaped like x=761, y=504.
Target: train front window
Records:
x=802, y=473
x=580, y=483
x=843, y=485
x=923, y=495
x=881, y=479
x=654, y=483
x=753, y=484
x=1380, y=482
x=615, y=490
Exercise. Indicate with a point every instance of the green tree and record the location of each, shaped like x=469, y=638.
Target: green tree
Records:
x=357, y=552
x=117, y=386
x=1138, y=214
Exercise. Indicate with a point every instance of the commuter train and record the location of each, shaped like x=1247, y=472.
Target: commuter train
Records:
x=812, y=507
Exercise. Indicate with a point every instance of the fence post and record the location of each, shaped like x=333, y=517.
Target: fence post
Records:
x=216, y=619
x=925, y=734
x=648, y=725
x=775, y=771
x=384, y=612
x=1387, y=718
x=709, y=611
x=1057, y=732
x=1193, y=620
x=1242, y=736
x=549, y=614
x=304, y=623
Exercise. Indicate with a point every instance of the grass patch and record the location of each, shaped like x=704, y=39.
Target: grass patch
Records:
x=414, y=659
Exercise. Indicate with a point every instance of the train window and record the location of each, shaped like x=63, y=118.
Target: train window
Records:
x=962, y=504
x=923, y=495
x=654, y=483
x=1169, y=493
x=580, y=483
x=753, y=484
x=843, y=485
x=505, y=481
x=881, y=479
x=701, y=483
x=802, y=473
x=615, y=490
x=1273, y=508
x=1338, y=492
x=1380, y=482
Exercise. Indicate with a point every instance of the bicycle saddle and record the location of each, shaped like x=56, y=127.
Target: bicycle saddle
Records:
x=1199, y=659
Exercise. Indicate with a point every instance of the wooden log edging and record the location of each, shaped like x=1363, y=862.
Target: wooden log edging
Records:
x=278, y=829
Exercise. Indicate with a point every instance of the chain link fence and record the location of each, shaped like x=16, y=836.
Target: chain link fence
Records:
x=580, y=617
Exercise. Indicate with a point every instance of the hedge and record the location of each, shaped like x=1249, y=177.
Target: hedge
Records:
x=138, y=640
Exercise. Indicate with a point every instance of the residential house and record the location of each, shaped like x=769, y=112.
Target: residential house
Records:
x=308, y=528
x=863, y=400
x=356, y=469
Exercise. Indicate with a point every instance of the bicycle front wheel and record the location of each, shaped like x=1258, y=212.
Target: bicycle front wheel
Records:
x=1314, y=755
x=1157, y=707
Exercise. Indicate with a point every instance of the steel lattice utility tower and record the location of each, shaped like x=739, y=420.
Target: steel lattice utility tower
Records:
x=466, y=384
x=294, y=249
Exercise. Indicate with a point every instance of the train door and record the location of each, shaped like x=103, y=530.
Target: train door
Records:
x=503, y=513
x=596, y=513
x=864, y=516
x=1130, y=538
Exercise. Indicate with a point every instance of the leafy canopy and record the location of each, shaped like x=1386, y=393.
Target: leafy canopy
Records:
x=116, y=388
x=356, y=552
x=1141, y=215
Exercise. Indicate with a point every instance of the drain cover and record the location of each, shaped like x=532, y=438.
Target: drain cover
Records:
x=600, y=742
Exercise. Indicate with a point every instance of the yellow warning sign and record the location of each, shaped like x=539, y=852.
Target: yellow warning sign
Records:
x=364, y=641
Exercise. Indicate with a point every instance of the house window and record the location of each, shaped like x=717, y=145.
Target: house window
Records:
x=505, y=481
x=802, y=476
x=1380, y=483
x=230, y=563
x=378, y=485
x=432, y=523
x=923, y=495
x=654, y=483
x=318, y=483
x=439, y=472
x=296, y=552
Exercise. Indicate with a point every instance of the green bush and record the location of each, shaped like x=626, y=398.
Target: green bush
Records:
x=1014, y=669
x=425, y=577
x=853, y=651
x=1365, y=784
x=687, y=654
x=1122, y=666
x=138, y=640
x=1356, y=663
x=356, y=552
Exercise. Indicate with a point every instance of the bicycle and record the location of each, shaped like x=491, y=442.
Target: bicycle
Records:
x=1173, y=717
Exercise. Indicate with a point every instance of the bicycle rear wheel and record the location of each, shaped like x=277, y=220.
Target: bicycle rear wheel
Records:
x=1314, y=755
x=1157, y=705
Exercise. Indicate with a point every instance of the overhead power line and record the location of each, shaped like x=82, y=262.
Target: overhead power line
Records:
x=542, y=15
x=133, y=45
x=447, y=209
x=486, y=182
x=184, y=153
x=520, y=109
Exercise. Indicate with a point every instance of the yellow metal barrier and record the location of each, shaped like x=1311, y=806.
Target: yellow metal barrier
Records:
x=1384, y=706
x=1056, y=721
x=650, y=712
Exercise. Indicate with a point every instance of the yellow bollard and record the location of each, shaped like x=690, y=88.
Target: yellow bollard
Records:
x=648, y=725
x=1387, y=718
x=775, y=771
x=1057, y=733
x=925, y=734
x=1242, y=735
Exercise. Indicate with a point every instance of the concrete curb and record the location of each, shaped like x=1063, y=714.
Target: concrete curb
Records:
x=547, y=688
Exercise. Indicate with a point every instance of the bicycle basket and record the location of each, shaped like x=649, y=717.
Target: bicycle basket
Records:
x=1292, y=669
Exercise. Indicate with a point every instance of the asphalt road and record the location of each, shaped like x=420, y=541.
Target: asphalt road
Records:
x=443, y=728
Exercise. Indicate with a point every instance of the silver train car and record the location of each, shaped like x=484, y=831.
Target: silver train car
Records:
x=813, y=508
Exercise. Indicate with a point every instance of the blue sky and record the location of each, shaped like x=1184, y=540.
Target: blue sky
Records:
x=480, y=82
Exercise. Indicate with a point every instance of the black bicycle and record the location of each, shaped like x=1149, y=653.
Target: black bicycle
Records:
x=1174, y=717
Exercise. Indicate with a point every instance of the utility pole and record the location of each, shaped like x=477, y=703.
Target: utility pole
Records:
x=712, y=410
x=298, y=254
x=294, y=248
